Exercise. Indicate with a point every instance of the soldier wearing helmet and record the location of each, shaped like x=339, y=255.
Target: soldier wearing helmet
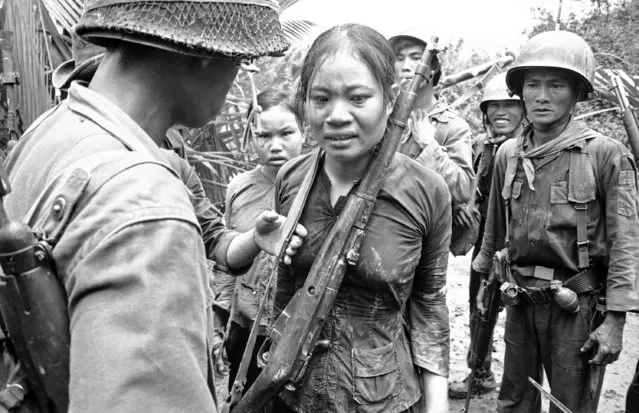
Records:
x=503, y=114
x=564, y=198
x=128, y=247
x=437, y=138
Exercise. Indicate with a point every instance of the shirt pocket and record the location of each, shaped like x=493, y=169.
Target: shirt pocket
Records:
x=562, y=212
x=516, y=207
x=626, y=194
x=375, y=374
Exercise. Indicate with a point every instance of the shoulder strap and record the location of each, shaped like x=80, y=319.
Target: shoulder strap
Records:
x=67, y=193
x=292, y=219
x=581, y=191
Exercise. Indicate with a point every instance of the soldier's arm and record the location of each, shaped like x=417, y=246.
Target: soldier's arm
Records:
x=495, y=229
x=453, y=160
x=619, y=181
x=138, y=296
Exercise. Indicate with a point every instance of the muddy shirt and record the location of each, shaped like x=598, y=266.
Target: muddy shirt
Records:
x=390, y=314
x=132, y=262
x=248, y=195
x=450, y=154
x=543, y=229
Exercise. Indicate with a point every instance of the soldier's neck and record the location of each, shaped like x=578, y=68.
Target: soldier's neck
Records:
x=139, y=94
x=545, y=133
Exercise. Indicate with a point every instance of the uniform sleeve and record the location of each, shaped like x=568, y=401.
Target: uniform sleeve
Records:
x=453, y=159
x=427, y=310
x=495, y=229
x=622, y=226
x=138, y=291
x=215, y=235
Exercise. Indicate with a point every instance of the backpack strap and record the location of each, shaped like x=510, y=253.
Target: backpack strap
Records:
x=581, y=191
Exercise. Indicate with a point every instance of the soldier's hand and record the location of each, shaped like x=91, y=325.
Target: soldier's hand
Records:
x=268, y=230
x=466, y=216
x=423, y=131
x=607, y=338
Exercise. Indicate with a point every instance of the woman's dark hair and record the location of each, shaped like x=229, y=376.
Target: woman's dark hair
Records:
x=274, y=96
x=364, y=43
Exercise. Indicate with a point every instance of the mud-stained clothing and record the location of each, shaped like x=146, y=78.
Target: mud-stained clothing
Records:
x=449, y=154
x=390, y=316
x=132, y=262
x=543, y=235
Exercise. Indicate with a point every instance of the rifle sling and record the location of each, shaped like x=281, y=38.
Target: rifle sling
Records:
x=288, y=229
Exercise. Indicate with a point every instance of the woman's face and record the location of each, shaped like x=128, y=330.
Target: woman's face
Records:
x=278, y=137
x=346, y=110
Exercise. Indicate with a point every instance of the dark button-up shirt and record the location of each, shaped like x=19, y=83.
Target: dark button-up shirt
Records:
x=543, y=224
x=132, y=262
x=390, y=314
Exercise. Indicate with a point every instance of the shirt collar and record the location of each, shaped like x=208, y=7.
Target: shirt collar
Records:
x=112, y=119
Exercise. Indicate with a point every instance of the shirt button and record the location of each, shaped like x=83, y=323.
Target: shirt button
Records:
x=532, y=242
x=533, y=208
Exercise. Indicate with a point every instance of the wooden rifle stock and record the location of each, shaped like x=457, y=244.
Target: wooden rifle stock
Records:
x=296, y=331
x=629, y=120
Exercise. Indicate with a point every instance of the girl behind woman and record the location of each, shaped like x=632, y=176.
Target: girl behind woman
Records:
x=388, y=330
x=277, y=139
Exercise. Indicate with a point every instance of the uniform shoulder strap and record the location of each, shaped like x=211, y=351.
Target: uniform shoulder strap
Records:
x=69, y=192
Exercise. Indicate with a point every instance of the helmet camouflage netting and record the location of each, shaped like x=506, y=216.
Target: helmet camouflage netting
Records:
x=234, y=28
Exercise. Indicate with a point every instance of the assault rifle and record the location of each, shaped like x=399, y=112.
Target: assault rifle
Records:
x=629, y=120
x=486, y=320
x=295, y=333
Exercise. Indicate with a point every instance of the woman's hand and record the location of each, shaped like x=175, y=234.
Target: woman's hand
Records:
x=268, y=230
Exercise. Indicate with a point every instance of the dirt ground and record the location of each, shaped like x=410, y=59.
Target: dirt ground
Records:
x=617, y=378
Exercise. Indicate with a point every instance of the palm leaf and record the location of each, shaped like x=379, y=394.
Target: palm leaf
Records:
x=300, y=32
x=285, y=4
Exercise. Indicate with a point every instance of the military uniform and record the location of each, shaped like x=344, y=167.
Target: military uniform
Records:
x=121, y=262
x=449, y=154
x=543, y=237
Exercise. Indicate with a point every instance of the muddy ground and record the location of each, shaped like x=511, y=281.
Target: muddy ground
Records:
x=617, y=378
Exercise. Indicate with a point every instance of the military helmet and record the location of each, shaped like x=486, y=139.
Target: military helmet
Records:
x=233, y=28
x=420, y=36
x=556, y=49
x=496, y=89
x=85, y=61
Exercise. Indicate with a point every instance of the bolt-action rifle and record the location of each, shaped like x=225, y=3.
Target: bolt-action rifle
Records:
x=629, y=120
x=295, y=333
x=33, y=307
x=486, y=320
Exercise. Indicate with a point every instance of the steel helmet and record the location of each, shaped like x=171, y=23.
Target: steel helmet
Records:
x=496, y=89
x=556, y=49
x=420, y=36
x=233, y=28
